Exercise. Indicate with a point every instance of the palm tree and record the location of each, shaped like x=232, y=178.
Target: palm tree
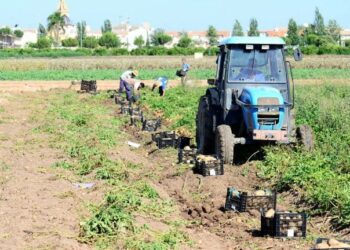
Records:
x=55, y=24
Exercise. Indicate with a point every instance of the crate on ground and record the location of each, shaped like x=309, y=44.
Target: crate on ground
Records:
x=165, y=139
x=151, y=125
x=243, y=201
x=331, y=244
x=283, y=224
x=119, y=99
x=136, y=111
x=125, y=109
x=208, y=165
x=134, y=119
x=187, y=155
x=88, y=86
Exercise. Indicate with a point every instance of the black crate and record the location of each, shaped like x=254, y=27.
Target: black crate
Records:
x=125, y=109
x=88, y=86
x=119, y=99
x=321, y=240
x=151, y=125
x=184, y=142
x=166, y=143
x=242, y=202
x=187, y=156
x=210, y=168
x=136, y=112
x=284, y=225
x=165, y=135
x=134, y=119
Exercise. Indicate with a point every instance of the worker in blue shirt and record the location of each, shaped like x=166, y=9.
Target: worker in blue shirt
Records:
x=161, y=83
x=184, y=71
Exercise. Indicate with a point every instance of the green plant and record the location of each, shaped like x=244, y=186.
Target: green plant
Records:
x=109, y=40
x=70, y=42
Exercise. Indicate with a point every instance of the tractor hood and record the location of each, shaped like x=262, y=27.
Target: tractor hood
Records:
x=263, y=111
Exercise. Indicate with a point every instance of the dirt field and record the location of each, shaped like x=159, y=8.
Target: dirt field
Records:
x=40, y=208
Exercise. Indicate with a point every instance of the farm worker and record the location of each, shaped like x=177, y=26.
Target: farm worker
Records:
x=184, y=71
x=137, y=86
x=250, y=72
x=128, y=77
x=161, y=84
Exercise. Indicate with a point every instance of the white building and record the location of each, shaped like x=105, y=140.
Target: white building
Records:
x=128, y=33
x=29, y=36
x=344, y=35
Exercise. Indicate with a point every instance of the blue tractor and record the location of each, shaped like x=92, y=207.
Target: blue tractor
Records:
x=252, y=99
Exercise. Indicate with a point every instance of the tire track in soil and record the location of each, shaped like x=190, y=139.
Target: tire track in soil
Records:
x=201, y=199
x=38, y=209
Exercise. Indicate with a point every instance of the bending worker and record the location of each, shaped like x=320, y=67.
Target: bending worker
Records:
x=161, y=83
x=128, y=83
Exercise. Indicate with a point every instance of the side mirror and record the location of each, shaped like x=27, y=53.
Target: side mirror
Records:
x=298, y=56
x=211, y=81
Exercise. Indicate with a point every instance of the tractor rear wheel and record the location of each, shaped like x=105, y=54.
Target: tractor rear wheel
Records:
x=204, y=127
x=224, y=143
x=305, y=137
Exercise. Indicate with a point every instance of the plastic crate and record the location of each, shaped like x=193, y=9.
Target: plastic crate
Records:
x=136, y=112
x=184, y=142
x=125, y=109
x=187, y=156
x=118, y=99
x=151, y=125
x=210, y=168
x=88, y=86
x=284, y=225
x=242, y=202
x=164, y=135
x=166, y=143
x=134, y=119
x=321, y=240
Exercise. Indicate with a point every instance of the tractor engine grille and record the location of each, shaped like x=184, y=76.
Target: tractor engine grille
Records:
x=268, y=116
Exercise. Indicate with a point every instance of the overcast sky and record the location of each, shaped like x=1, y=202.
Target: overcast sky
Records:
x=181, y=15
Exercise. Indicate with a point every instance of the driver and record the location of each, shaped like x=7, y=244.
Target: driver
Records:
x=250, y=73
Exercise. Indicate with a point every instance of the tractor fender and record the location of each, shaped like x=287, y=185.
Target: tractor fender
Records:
x=214, y=97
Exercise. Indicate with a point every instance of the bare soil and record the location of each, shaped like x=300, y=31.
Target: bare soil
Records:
x=40, y=208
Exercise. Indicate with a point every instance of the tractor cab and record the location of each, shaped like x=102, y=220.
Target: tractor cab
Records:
x=252, y=100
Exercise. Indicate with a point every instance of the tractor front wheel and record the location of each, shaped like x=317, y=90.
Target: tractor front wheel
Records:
x=204, y=127
x=224, y=143
x=305, y=137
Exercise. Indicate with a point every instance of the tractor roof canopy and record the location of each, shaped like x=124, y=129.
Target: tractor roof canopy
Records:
x=252, y=40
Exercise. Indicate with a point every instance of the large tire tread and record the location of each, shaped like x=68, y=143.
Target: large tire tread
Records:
x=224, y=144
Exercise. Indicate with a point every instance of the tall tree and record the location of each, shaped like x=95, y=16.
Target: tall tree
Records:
x=212, y=35
x=109, y=40
x=237, y=29
x=333, y=29
x=81, y=32
x=55, y=24
x=107, y=26
x=185, y=41
x=139, y=41
x=6, y=31
x=42, y=31
x=159, y=38
x=253, y=28
x=293, y=35
x=320, y=28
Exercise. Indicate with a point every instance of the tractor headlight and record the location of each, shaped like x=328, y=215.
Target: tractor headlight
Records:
x=275, y=109
x=262, y=109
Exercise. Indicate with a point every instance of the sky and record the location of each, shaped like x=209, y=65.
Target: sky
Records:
x=179, y=15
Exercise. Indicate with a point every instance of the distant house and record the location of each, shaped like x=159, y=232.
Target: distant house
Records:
x=29, y=36
x=276, y=32
x=6, y=41
x=128, y=33
x=344, y=35
x=199, y=38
